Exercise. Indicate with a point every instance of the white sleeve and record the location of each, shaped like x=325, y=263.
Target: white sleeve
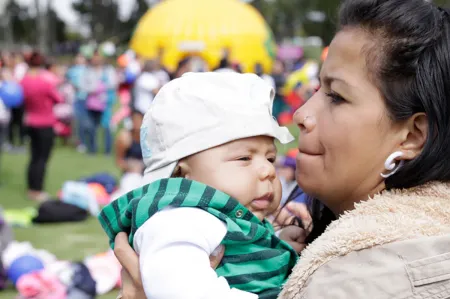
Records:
x=174, y=248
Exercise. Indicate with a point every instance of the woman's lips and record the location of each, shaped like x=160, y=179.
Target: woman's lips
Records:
x=309, y=150
x=309, y=153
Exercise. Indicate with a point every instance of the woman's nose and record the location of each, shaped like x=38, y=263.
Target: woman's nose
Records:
x=305, y=120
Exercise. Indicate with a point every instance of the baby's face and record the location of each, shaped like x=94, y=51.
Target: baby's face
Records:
x=243, y=169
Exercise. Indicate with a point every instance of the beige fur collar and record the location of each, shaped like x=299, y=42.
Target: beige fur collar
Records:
x=392, y=216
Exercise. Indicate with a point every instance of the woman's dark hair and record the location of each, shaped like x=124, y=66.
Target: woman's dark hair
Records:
x=36, y=59
x=408, y=59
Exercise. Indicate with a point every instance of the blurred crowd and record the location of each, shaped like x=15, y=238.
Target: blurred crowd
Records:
x=74, y=100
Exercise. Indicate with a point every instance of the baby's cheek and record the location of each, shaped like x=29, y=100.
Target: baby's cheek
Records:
x=277, y=192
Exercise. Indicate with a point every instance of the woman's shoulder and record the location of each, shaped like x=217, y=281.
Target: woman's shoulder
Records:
x=376, y=238
x=401, y=269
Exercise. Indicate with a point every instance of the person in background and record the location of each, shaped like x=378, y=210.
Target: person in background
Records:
x=16, y=129
x=183, y=67
x=128, y=143
x=146, y=87
x=259, y=70
x=111, y=98
x=98, y=84
x=285, y=167
x=161, y=73
x=279, y=76
x=225, y=64
x=7, y=73
x=5, y=116
x=20, y=66
x=75, y=75
x=131, y=178
x=39, y=98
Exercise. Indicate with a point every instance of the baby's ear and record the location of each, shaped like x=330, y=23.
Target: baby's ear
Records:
x=181, y=170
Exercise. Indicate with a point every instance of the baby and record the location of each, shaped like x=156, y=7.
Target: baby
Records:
x=208, y=146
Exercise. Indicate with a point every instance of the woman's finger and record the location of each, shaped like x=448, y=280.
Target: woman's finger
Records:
x=298, y=247
x=282, y=218
x=216, y=257
x=129, y=289
x=300, y=210
x=127, y=257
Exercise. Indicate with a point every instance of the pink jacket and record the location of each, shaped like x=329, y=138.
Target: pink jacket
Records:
x=39, y=97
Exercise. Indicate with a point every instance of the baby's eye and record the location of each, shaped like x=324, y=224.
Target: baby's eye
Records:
x=244, y=159
x=271, y=160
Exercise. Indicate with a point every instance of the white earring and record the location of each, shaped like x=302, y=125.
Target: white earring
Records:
x=391, y=165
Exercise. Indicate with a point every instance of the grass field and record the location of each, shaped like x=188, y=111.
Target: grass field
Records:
x=67, y=241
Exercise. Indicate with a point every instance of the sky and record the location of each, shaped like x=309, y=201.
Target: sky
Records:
x=64, y=9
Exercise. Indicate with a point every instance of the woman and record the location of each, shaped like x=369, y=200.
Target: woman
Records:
x=40, y=96
x=99, y=83
x=374, y=150
x=146, y=87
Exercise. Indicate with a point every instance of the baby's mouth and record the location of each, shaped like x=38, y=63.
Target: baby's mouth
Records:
x=263, y=202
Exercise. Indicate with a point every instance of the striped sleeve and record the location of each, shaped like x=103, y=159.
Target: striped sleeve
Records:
x=117, y=216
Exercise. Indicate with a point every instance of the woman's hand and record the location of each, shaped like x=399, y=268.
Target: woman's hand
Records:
x=131, y=276
x=216, y=257
x=287, y=215
x=294, y=236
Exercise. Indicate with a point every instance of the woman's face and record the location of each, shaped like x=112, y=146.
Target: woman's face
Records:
x=345, y=132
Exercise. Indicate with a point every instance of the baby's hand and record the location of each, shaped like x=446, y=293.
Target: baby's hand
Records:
x=294, y=236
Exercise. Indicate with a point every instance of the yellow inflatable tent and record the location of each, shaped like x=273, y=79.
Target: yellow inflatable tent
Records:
x=175, y=29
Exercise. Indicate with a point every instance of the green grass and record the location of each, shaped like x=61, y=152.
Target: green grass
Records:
x=67, y=241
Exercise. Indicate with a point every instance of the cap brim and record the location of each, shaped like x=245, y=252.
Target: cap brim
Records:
x=165, y=172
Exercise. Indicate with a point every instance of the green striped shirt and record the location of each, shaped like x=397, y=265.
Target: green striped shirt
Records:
x=255, y=260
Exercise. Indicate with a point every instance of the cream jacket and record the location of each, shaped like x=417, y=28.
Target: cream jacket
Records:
x=396, y=246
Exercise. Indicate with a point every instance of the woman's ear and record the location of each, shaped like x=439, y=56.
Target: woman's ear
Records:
x=415, y=137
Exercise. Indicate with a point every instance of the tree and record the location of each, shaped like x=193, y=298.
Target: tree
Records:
x=285, y=17
x=103, y=19
x=18, y=25
x=42, y=26
x=442, y=3
x=57, y=28
x=327, y=28
x=6, y=25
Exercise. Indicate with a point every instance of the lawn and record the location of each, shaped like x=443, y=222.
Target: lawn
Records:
x=67, y=241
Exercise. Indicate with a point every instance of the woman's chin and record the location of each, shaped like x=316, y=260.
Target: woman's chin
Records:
x=307, y=183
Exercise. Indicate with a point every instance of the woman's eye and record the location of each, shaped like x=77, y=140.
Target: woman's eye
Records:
x=335, y=98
